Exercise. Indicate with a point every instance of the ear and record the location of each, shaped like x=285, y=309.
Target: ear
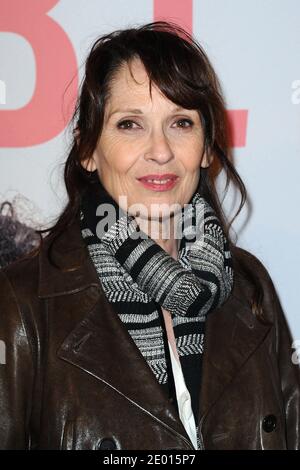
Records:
x=89, y=164
x=206, y=160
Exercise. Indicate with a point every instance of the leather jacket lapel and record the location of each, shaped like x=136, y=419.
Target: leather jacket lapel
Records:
x=232, y=335
x=101, y=346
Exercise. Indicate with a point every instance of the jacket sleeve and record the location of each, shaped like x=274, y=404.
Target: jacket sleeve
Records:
x=289, y=375
x=16, y=371
x=288, y=370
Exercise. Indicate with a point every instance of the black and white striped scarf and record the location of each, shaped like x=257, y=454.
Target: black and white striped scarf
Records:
x=140, y=279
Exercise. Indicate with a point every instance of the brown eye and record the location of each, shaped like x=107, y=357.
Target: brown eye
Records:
x=125, y=124
x=190, y=123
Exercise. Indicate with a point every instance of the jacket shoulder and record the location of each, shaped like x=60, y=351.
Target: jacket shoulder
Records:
x=252, y=261
x=254, y=266
x=22, y=275
x=261, y=277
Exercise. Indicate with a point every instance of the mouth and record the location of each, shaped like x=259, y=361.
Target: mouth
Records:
x=159, y=182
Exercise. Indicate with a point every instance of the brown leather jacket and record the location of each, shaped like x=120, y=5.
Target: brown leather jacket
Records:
x=74, y=379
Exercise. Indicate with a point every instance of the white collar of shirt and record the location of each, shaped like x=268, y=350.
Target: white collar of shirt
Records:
x=184, y=399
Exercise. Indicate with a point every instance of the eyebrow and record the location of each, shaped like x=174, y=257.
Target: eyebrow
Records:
x=138, y=111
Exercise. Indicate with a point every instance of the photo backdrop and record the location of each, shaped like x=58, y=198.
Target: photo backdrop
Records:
x=255, y=48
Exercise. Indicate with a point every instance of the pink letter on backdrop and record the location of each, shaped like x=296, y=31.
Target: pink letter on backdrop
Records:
x=181, y=12
x=45, y=116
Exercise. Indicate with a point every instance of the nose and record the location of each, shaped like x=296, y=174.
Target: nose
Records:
x=159, y=149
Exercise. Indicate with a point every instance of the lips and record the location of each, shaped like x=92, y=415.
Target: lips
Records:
x=159, y=182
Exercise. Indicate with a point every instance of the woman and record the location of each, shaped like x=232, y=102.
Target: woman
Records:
x=121, y=340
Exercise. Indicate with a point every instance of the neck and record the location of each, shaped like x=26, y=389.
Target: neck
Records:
x=162, y=233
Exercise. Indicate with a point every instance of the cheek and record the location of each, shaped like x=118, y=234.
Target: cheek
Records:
x=115, y=156
x=191, y=153
x=191, y=161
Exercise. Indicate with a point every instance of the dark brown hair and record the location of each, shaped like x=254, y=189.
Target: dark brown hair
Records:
x=179, y=67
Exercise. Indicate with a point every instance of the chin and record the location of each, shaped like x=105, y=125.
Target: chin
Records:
x=158, y=215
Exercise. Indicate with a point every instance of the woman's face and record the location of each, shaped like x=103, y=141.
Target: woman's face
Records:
x=143, y=137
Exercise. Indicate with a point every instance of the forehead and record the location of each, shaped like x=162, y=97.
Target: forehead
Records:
x=130, y=87
x=131, y=75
